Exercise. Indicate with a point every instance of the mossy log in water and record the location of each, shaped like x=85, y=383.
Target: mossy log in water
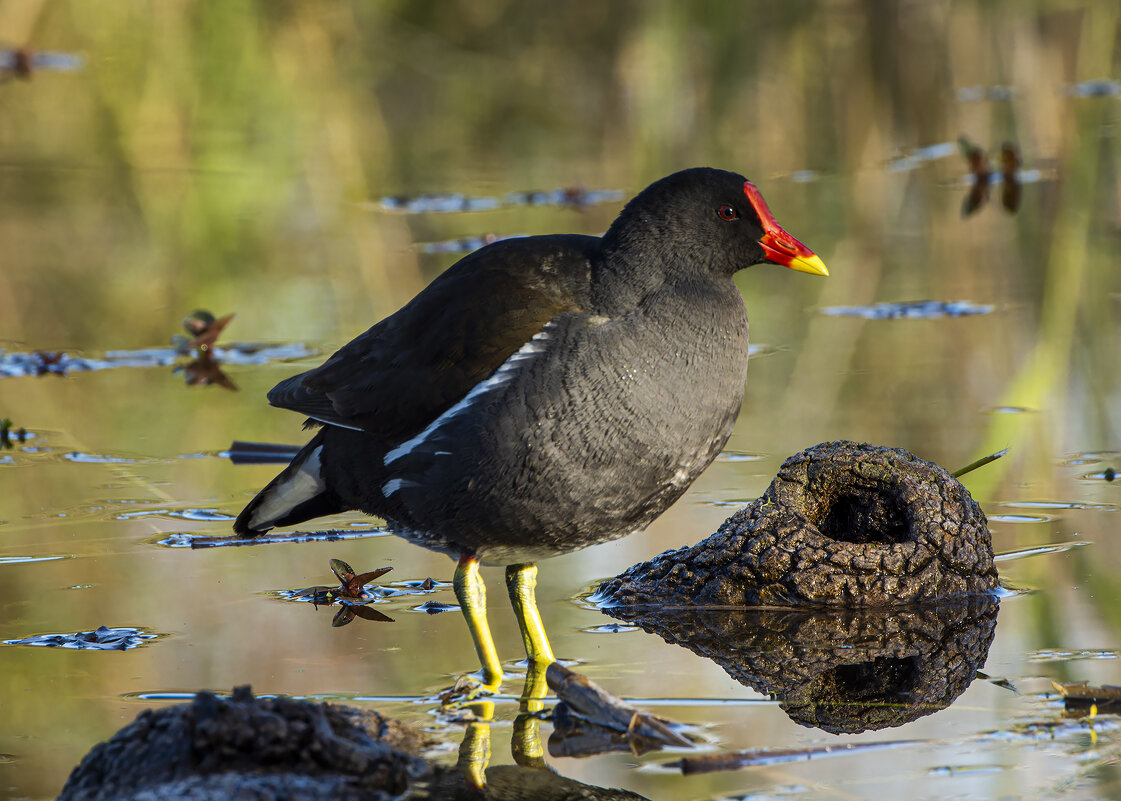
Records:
x=843, y=524
x=246, y=747
x=276, y=749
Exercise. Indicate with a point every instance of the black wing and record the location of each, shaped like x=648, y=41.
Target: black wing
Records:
x=398, y=376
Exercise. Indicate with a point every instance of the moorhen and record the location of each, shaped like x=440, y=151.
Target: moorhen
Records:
x=543, y=394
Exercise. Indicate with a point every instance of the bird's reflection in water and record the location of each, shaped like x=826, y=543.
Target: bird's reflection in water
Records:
x=842, y=671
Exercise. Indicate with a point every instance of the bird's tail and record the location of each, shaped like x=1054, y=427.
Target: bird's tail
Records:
x=299, y=493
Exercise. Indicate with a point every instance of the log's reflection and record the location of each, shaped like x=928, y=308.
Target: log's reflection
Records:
x=842, y=671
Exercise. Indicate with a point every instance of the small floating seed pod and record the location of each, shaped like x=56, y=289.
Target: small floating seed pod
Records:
x=843, y=524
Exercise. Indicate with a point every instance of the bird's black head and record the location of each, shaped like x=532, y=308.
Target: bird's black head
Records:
x=705, y=220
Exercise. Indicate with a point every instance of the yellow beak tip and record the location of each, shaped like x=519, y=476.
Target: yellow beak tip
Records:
x=809, y=264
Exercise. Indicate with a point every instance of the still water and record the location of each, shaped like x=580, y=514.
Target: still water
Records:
x=310, y=166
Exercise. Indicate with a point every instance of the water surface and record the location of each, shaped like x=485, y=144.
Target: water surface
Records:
x=293, y=162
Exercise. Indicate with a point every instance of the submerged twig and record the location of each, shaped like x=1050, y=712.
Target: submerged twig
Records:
x=710, y=763
x=585, y=699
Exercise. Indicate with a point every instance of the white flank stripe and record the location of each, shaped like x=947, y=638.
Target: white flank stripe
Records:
x=502, y=376
x=303, y=485
x=391, y=486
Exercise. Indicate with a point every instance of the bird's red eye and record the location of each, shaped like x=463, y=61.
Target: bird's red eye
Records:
x=727, y=212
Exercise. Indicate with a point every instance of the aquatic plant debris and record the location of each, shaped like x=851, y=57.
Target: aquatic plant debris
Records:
x=353, y=585
x=6, y=434
x=981, y=177
x=435, y=607
x=349, y=611
x=911, y=310
x=103, y=638
x=978, y=163
x=351, y=594
x=205, y=329
x=1010, y=188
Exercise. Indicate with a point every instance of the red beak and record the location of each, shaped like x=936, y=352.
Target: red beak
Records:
x=779, y=246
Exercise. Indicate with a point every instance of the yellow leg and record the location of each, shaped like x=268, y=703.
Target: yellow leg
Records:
x=472, y=596
x=521, y=581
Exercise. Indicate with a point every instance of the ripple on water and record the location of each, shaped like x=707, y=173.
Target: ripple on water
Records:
x=96, y=458
x=177, y=696
x=761, y=350
x=457, y=202
x=415, y=587
x=465, y=244
x=918, y=157
x=1101, y=507
x=1099, y=87
x=181, y=539
x=1039, y=550
x=199, y=515
x=914, y=310
x=19, y=560
x=739, y=456
x=728, y=504
x=1078, y=459
x=1109, y=474
x=1006, y=589
x=610, y=628
x=1020, y=518
x=1059, y=655
x=18, y=365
